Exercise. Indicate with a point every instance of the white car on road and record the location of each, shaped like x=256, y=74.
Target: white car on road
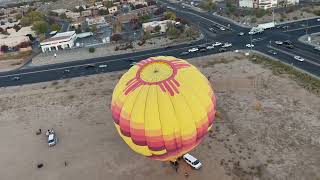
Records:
x=193, y=50
x=222, y=28
x=299, y=58
x=279, y=42
x=225, y=45
x=192, y=161
x=210, y=47
x=102, y=66
x=249, y=45
x=217, y=43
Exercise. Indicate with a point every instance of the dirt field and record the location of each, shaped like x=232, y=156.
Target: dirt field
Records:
x=267, y=128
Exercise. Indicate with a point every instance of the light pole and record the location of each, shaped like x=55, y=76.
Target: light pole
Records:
x=250, y=43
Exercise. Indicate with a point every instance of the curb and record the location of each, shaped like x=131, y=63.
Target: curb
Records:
x=302, y=40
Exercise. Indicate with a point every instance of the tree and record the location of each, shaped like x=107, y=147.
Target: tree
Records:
x=207, y=5
x=172, y=31
x=18, y=16
x=55, y=27
x=190, y=33
x=102, y=12
x=40, y=27
x=93, y=28
x=144, y=18
x=31, y=17
x=108, y=4
x=16, y=27
x=170, y=15
x=4, y=48
x=260, y=13
x=159, y=11
x=157, y=28
x=116, y=37
x=146, y=35
x=92, y=49
x=63, y=16
x=81, y=9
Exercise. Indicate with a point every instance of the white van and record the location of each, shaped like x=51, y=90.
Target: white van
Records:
x=52, y=140
x=192, y=161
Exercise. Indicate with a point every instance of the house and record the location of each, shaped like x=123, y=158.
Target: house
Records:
x=113, y=9
x=137, y=2
x=59, y=41
x=73, y=15
x=149, y=26
x=86, y=13
x=95, y=20
x=59, y=11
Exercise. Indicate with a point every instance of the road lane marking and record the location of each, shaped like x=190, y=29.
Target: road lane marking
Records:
x=106, y=61
x=297, y=29
x=288, y=53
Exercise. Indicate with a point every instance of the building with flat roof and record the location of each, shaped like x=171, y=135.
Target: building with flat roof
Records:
x=59, y=41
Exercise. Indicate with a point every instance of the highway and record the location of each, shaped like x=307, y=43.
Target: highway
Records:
x=263, y=42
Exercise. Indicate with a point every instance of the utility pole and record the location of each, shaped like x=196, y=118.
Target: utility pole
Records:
x=273, y=15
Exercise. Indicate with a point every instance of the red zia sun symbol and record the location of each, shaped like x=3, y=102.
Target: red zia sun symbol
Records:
x=157, y=72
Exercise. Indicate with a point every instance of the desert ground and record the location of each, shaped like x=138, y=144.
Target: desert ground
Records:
x=267, y=127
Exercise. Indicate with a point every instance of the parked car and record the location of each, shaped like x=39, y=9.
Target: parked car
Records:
x=272, y=52
x=222, y=28
x=299, y=58
x=222, y=50
x=241, y=33
x=225, y=45
x=193, y=50
x=278, y=42
x=317, y=48
x=249, y=45
x=192, y=161
x=52, y=139
x=217, y=43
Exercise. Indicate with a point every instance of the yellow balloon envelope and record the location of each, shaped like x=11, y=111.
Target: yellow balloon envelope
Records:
x=163, y=107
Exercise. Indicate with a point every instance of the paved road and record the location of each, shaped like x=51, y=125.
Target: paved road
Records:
x=263, y=43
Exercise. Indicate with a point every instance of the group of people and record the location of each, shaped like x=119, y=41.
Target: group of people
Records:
x=49, y=131
x=175, y=165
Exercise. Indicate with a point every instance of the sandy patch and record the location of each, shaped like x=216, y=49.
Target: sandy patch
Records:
x=267, y=128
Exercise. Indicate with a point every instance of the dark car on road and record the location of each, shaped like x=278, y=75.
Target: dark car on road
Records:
x=184, y=53
x=222, y=49
x=287, y=42
x=89, y=66
x=290, y=46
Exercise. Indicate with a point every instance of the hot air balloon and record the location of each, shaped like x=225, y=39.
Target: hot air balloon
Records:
x=163, y=107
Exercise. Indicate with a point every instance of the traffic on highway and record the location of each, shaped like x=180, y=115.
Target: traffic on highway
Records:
x=219, y=35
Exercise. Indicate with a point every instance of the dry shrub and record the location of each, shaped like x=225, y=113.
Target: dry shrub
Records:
x=218, y=115
x=257, y=105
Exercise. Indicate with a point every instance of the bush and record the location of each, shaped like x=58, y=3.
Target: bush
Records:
x=4, y=48
x=92, y=49
x=116, y=37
